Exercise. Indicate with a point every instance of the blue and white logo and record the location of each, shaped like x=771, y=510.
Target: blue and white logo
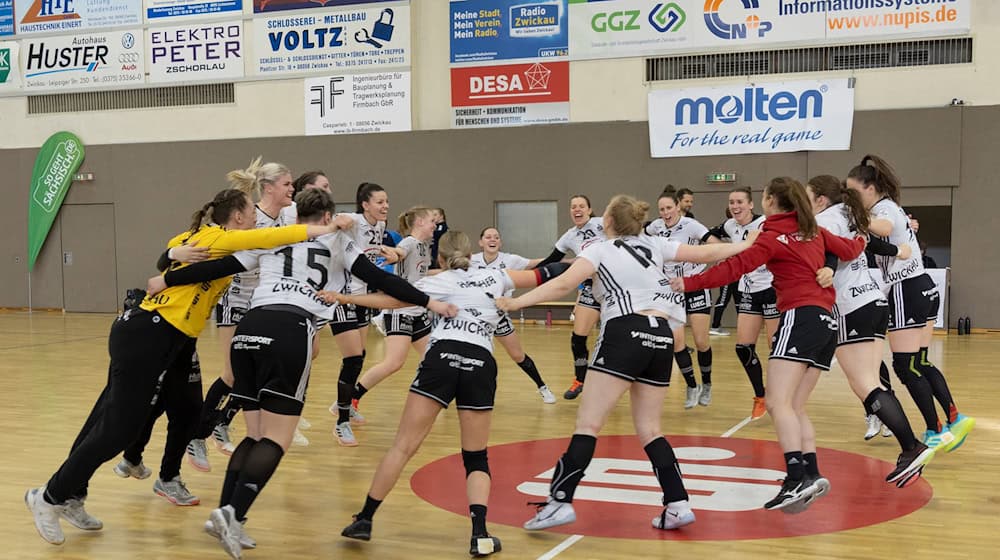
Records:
x=756, y=104
x=128, y=40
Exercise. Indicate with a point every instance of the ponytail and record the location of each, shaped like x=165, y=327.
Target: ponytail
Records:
x=252, y=179
x=408, y=218
x=220, y=209
x=791, y=196
x=877, y=172
x=835, y=191
x=198, y=218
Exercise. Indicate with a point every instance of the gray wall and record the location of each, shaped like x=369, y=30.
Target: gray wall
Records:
x=155, y=187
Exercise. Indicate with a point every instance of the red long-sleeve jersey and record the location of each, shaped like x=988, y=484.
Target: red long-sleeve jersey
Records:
x=793, y=262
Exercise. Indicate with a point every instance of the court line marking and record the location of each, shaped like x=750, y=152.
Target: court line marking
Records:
x=737, y=427
x=560, y=547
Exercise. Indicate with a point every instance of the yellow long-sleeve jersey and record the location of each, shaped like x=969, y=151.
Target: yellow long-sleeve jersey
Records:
x=188, y=306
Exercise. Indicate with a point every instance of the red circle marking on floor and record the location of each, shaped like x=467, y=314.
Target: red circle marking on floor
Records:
x=728, y=481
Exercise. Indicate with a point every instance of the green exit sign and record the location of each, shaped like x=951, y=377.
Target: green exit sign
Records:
x=720, y=178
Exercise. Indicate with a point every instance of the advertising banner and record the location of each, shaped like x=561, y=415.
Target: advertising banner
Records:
x=358, y=103
x=6, y=17
x=57, y=161
x=510, y=95
x=332, y=41
x=751, y=118
x=206, y=51
x=98, y=60
x=280, y=5
x=44, y=16
x=10, y=74
x=163, y=9
x=488, y=30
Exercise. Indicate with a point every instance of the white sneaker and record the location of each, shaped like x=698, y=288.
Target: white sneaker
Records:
x=874, y=426
x=547, y=396
x=692, y=397
x=228, y=530
x=46, y=516
x=175, y=492
x=304, y=424
x=299, y=439
x=245, y=540
x=379, y=322
x=551, y=514
x=220, y=435
x=197, y=455
x=126, y=469
x=718, y=332
x=345, y=435
x=705, y=397
x=78, y=517
x=886, y=432
x=674, y=516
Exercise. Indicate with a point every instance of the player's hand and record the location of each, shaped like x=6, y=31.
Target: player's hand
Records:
x=155, y=285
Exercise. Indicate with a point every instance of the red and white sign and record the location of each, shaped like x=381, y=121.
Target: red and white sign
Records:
x=510, y=95
x=728, y=481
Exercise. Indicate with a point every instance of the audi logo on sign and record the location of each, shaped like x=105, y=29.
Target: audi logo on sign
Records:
x=128, y=58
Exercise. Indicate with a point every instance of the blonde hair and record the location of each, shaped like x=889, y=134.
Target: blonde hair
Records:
x=251, y=180
x=627, y=214
x=408, y=218
x=455, y=249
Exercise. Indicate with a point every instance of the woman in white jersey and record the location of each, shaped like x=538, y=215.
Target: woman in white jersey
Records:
x=698, y=305
x=862, y=314
x=408, y=326
x=458, y=366
x=633, y=354
x=756, y=302
x=492, y=257
x=350, y=323
x=586, y=231
x=913, y=304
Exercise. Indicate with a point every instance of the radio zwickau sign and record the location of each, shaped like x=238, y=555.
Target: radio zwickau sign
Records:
x=751, y=118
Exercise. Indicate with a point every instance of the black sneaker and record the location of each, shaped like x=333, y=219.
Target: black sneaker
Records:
x=909, y=462
x=360, y=529
x=792, y=492
x=484, y=546
x=813, y=487
x=574, y=390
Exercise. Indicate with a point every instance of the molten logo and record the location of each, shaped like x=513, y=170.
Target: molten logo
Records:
x=723, y=30
x=755, y=104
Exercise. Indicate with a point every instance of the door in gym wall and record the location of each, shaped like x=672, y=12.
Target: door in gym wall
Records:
x=90, y=281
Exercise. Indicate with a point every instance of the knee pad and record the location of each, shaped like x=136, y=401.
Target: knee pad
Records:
x=578, y=344
x=475, y=461
x=905, y=364
x=747, y=353
x=350, y=369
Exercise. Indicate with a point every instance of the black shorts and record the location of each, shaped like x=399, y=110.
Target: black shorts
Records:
x=271, y=355
x=413, y=326
x=636, y=348
x=913, y=302
x=345, y=318
x=458, y=371
x=764, y=302
x=586, y=297
x=226, y=316
x=699, y=302
x=864, y=324
x=806, y=334
x=504, y=327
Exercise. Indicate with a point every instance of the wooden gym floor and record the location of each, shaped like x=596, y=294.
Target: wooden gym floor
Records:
x=54, y=366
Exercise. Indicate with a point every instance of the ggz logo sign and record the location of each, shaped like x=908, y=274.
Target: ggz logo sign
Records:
x=663, y=17
x=752, y=25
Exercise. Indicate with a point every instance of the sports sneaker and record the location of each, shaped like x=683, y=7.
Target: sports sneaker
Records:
x=792, y=492
x=874, y=426
x=175, y=492
x=46, y=516
x=334, y=410
x=718, y=332
x=886, y=432
x=304, y=424
x=819, y=487
x=547, y=396
x=759, y=408
x=299, y=439
x=574, y=390
x=910, y=461
x=484, y=546
x=360, y=529
x=356, y=418
x=379, y=322
x=674, y=516
x=960, y=428
x=245, y=540
x=126, y=469
x=78, y=517
x=220, y=435
x=936, y=440
x=910, y=478
x=705, y=397
x=345, y=435
x=550, y=514
x=197, y=455
x=692, y=397
x=228, y=530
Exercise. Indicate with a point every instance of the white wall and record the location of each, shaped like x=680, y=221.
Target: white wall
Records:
x=601, y=90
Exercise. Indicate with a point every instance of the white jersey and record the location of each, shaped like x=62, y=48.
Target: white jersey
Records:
x=896, y=270
x=687, y=231
x=503, y=261
x=630, y=277
x=413, y=268
x=368, y=238
x=757, y=280
x=289, y=214
x=576, y=239
x=854, y=284
x=242, y=287
x=473, y=291
x=293, y=274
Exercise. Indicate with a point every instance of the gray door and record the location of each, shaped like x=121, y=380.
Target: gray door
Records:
x=89, y=267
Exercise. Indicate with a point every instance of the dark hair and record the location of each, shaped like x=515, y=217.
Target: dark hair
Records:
x=307, y=178
x=587, y=198
x=482, y=233
x=791, y=196
x=365, y=193
x=221, y=208
x=835, y=191
x=684, y=192
x=313, y=203
x=745, y=190
x=668, y=190
x=444, y=218
x=875, y=171
x=671, y=195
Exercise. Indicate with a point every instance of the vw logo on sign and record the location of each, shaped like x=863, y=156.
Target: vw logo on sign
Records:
x=128, y=40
